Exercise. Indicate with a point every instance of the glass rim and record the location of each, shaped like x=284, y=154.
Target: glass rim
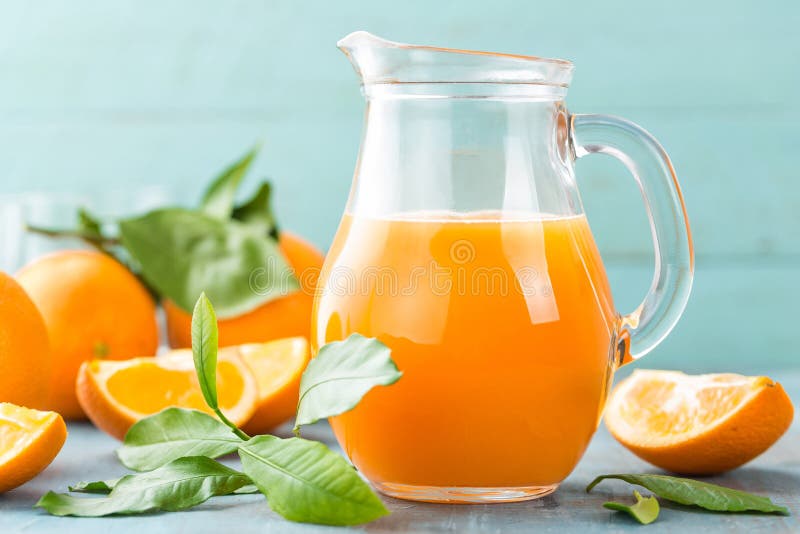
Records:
x=380, y=61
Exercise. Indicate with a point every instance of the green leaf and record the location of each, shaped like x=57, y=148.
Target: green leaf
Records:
x=645, y=511
x=172, y=433
x=182, y=253
x=180, y=484
x=204, y=349
x=258, y=211
x=99, y=486
x=219, y=197
x=105, y=486
x=342, y=373
x=90, y=225
x=693, y=492
x=307, y=482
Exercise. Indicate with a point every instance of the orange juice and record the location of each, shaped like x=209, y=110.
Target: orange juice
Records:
x=504, y=329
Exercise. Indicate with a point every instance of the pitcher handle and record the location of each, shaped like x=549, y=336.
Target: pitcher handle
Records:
x=654, y=318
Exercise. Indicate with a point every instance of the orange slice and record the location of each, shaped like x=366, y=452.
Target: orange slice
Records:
x=697, y=424
x=29, y=441
x=277, y=366
x=116, y=394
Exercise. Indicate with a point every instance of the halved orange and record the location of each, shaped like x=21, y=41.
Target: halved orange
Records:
x=697, y=424
x=277, y=366
x=116, y=394
x=29, y=441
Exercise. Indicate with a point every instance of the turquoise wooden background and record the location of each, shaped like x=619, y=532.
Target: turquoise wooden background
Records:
x=104, y=98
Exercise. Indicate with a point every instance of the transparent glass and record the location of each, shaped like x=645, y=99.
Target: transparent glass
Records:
x=58, y=211
x=19, y=246
x=464, y=247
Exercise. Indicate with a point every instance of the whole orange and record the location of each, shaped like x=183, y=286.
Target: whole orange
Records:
x=25, y=363
x=93, y=308
x=286, y=316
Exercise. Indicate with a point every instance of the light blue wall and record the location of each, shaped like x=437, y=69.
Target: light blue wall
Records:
x=113, y=96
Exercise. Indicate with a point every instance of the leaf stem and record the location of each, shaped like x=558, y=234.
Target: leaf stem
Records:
x=85, y=236
x=236, y=430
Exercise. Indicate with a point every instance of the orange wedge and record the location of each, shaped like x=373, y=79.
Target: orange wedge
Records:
x=29, y=441
x=697, y=424
x=116, y=394
x=277, y=367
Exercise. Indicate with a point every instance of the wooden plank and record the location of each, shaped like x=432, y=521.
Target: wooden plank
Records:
x=251, y=55
x=740, y=318
x=738, y=179
x=737, y=173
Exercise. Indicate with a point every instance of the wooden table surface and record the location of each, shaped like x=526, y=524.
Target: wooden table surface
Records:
x=88, y=455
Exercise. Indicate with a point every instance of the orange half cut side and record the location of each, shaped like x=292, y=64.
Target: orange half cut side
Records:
x=29, y=441
x=277, y=367
x=698, y=424
x=116, y=394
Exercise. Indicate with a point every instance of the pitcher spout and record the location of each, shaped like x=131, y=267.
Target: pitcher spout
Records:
x=380, y=61
x=361, y=48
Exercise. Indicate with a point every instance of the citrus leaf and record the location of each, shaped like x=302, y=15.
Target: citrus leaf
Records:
x=307, y=482
x=99, y=486
x=204, y=350
x=342, y=373
x=219, y=197
x=105, y=486
x=180, y=484
x=182, y=253
x=693, y=492
x=172, y=433
x=258, y=211
x=205, y=338
x=90, y=226
x=645, y=511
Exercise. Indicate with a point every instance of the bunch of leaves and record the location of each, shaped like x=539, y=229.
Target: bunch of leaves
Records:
x=216, y=248
x=175, y=449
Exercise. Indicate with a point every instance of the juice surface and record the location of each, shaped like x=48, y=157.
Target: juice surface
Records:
x=503, y=327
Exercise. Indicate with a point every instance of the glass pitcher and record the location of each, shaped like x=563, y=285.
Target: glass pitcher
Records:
x=464, y=247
